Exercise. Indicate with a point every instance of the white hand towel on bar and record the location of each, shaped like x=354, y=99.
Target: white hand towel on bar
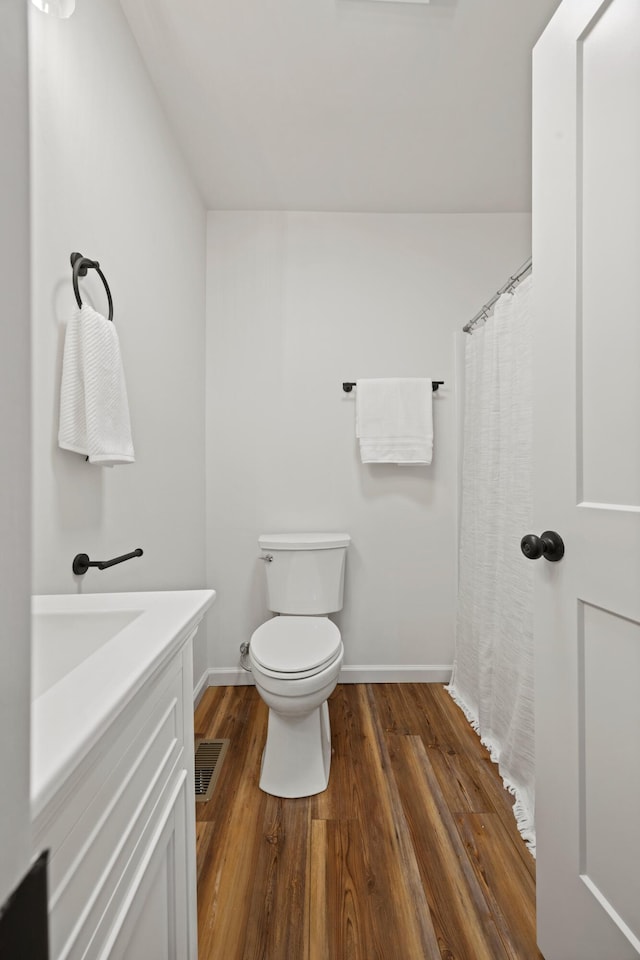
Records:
x=94, y=410
x=394, y=420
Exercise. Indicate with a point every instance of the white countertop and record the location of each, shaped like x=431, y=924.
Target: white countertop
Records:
x=69, y=717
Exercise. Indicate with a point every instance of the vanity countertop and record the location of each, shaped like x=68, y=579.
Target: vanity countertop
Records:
x=91, y=654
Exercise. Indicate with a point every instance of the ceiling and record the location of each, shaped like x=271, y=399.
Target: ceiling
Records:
x=348, y=105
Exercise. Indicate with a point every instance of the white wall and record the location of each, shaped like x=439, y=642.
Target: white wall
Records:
x=15, y=552
x=296, y=304
x=109, y=181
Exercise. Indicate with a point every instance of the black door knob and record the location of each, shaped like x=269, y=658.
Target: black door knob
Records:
x=550, y=546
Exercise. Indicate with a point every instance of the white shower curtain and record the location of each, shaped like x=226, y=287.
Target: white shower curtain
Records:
x=493, y=671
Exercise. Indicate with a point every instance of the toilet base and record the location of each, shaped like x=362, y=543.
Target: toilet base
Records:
x=297, y=755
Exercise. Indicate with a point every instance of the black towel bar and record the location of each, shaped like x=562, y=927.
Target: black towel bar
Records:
x=80, y=266
x=81, y=562
x=349, y=385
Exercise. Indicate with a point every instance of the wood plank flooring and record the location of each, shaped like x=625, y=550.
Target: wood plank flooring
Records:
x=412, y=853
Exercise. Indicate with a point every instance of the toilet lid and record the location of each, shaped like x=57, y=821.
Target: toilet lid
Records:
x=295, y=644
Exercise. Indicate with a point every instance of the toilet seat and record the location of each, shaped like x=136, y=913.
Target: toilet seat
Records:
x=291, y=648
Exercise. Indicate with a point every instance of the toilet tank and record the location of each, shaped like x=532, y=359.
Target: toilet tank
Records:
x=306, y=574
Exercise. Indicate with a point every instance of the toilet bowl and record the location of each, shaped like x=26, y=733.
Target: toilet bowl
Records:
x=296, y=658
x=297, y=757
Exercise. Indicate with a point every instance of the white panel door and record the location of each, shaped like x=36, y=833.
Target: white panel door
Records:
x=586, y=253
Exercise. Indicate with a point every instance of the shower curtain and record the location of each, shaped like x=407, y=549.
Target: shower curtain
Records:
x=492, y=678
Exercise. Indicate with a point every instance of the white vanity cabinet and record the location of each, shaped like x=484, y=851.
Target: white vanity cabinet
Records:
x=121, y=830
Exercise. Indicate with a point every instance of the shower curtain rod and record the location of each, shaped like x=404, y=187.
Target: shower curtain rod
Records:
x=507, y=287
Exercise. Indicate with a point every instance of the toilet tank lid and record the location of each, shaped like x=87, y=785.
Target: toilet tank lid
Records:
x=303, y=541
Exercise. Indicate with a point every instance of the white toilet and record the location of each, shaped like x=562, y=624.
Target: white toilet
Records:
x=296, y=658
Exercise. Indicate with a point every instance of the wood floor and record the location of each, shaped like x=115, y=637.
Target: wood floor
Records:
x=412, y=853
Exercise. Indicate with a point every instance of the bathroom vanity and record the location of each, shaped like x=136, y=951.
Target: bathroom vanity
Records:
x=112, y=772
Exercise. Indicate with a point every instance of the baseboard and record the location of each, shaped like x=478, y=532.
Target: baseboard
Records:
x=396, y=673
x=371, y=673
x=221, y=677
x=200, y=688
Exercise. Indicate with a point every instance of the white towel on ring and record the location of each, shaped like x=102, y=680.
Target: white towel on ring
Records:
x=394, y=420
x=94, y=409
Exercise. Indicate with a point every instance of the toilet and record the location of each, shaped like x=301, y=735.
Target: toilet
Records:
x=296, y=657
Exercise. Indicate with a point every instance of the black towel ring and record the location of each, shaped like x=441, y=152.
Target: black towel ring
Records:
x=80, y=266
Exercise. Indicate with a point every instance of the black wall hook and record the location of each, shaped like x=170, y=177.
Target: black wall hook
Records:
x=80, y=266
x=81, y=562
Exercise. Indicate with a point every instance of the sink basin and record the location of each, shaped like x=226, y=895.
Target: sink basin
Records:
x=91, y=654
x=62, y=641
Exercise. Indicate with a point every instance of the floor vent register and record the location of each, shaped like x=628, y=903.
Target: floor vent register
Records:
x=209, y=756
